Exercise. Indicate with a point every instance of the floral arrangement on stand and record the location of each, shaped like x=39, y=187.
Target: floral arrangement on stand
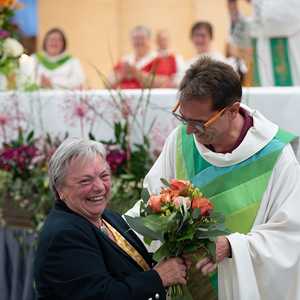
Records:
x=182, y=220
x=129, y=163
x=10, y=47
x=24, y=178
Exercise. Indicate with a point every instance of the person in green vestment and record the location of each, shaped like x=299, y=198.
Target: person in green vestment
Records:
x=273, y=30
x=245, y=165
x=54, y=67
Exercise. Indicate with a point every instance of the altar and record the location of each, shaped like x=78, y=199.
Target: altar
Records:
x=81, y=113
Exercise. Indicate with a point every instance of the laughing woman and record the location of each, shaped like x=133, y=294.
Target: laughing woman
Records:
x=85, y=250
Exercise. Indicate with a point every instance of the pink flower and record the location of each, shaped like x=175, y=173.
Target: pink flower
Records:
x=179, y=201
x=4, y=33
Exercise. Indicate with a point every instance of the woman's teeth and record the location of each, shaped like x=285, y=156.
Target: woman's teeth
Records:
x=95, y=199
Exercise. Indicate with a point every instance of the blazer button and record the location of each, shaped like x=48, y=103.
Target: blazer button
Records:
x=157, y=296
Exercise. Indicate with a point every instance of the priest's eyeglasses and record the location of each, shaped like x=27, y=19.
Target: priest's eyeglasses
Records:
x=199, y=127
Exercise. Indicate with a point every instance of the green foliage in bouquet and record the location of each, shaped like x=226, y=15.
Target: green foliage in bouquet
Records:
x=181, y=219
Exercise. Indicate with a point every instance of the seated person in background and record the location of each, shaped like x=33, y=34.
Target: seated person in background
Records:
x=201, y=36
x=54, y=67
x=175, y=61
x=85, y=251
x=137, y=70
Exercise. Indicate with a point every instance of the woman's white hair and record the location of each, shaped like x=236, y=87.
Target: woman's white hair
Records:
x=140, y=28
x=71, y=150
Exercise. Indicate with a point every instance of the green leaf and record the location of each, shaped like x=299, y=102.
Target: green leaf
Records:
x=155, y=223
x=30, y=136
x=190, y=249
x=213, y=239
x=202, y=229
x=188, y=236
x=145, y=195
x=221, y=219
x=147, y=241
x=196, y=213
x=91, y=136
x=211, y=247
x=165, y=182
x=137, y=225
x=161, y=253
x=220, y=227
x=214, y=215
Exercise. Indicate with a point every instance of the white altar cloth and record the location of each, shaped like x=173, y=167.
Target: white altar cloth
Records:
x=57, y=112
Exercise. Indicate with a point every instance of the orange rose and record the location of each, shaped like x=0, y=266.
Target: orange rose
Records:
x=156, y=202
x=204, y=204
x=174, y=194
x=176, y=184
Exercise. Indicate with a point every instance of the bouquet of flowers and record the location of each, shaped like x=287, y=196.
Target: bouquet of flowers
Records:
x=181, y=219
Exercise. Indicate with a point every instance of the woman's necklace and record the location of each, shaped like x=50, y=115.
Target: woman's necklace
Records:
x=103, y=228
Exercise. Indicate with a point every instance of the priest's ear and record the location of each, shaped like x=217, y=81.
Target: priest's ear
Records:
x=233, y=110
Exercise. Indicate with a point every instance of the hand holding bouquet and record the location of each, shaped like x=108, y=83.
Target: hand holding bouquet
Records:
x=181, y=219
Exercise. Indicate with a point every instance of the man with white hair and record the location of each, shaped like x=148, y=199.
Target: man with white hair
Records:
x=142, y=69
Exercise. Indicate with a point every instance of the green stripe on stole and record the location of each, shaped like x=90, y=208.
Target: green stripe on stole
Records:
x=235, y=191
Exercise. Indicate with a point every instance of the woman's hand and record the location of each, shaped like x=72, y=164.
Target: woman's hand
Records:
x=173, y=271
x=223, y=249
x=45, y=82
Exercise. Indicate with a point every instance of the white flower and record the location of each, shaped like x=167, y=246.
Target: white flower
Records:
x=12, y=48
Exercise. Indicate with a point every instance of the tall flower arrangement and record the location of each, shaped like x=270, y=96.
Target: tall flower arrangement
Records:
x=129, y=161
x=10, y=48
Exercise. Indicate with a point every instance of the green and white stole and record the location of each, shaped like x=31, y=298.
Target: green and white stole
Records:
x=235, y=191
x=280, y=59
x=51, y=65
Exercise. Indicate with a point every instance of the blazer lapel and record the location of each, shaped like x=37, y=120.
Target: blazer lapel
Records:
x=122, y=227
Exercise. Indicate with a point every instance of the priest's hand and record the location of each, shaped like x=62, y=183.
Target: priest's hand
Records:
x=223, y=249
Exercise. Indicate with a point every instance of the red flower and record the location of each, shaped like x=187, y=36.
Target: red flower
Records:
x=204, y=204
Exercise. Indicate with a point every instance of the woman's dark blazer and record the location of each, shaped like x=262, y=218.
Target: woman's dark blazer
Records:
x=75, y=260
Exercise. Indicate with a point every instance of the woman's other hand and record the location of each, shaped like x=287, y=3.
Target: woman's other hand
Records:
x=172, y=271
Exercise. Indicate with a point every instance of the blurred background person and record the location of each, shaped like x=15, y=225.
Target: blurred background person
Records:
x=201, y=37
x=175, y=61
x=274, y=32
x=54, y=67
x=86, y=251
x=137, y=70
